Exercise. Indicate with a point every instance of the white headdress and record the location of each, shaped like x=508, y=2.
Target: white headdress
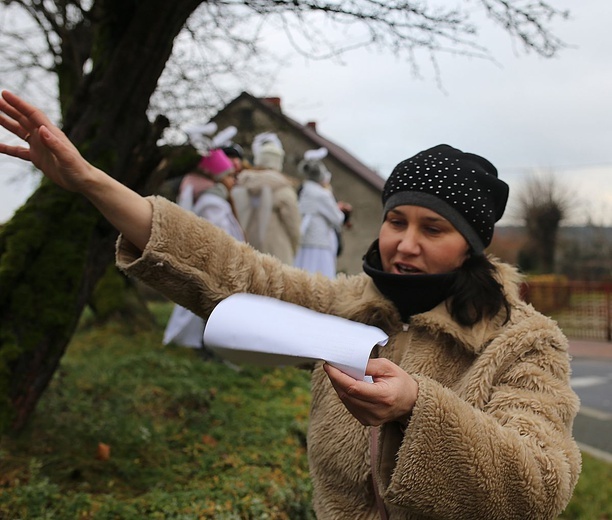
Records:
x=312, y=166
x=204, y=139
x=268, y=151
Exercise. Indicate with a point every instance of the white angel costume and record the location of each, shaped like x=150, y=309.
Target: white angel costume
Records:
x=322, y=219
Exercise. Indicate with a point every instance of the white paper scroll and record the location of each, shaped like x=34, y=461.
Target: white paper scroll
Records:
x=247, y=328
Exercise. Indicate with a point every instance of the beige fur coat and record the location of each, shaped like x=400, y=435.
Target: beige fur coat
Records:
x=490, y=435
x=266, y=205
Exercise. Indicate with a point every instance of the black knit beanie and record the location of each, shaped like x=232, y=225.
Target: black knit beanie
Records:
x=461, y=187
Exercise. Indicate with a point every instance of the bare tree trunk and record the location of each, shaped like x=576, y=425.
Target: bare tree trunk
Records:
x=56, y=247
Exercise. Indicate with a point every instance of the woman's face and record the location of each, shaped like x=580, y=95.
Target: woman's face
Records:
x=229, y=180
x=416, y=240
x=238, y=165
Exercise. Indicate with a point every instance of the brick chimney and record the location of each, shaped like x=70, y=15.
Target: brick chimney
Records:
x=274, y=101
x=312, y=125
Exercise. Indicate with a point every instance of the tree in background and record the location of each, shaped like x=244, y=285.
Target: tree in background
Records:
x=543, y=204
x=121, y=69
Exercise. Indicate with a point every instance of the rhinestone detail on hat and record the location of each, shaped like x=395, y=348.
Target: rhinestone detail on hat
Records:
x=450, y=181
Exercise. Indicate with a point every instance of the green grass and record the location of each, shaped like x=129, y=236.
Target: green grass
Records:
x=592, y=499
x=189, y=439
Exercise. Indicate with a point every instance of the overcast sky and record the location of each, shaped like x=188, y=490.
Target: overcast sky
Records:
x=524, y=113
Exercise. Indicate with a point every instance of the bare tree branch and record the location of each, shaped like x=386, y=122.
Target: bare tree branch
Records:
x=221, y=49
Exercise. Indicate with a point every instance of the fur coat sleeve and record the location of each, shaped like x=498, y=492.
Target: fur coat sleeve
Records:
x=196, y=265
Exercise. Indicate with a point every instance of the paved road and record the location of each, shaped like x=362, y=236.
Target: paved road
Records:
x=592, y=381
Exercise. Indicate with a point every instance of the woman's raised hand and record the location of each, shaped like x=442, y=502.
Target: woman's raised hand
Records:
x=53, y=153
x=49, y=148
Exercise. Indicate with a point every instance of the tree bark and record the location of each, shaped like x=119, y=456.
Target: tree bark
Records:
x=57, y=246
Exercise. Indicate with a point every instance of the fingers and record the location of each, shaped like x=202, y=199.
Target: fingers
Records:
x=58, y=144
x=9, y=120
x=15, y=151
x=345, y=385
x=6, y=107
x=30, y=124
x=11, y=123
x=13, y=127
x=392, y=395
x=381, y=367
x=26, y=118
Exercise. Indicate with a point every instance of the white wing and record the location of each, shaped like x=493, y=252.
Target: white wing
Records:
x=205, y=129
x=199, y=136
x=315, y=155
x=224, y=137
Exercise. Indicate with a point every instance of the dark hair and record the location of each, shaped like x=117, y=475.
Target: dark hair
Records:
x=476, y=292
x=234, y=151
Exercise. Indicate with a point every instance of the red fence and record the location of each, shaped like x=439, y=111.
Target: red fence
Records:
x=582, y=309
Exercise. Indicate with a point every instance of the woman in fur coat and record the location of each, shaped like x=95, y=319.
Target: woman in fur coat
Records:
x=470, y=412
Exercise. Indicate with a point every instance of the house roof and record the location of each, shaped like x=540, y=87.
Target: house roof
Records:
x=272, y=107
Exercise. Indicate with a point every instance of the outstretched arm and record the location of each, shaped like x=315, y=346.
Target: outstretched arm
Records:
x=59, y=160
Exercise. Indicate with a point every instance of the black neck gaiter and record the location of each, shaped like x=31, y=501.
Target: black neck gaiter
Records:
x=411, y=294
